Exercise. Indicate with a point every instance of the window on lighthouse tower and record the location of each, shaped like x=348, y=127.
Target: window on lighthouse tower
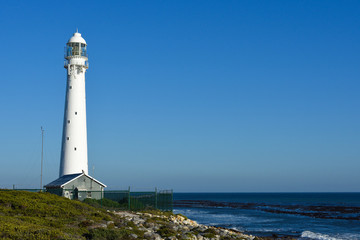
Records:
x=83, y=49
x=75, y=48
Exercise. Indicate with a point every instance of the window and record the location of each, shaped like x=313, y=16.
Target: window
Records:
x=70, y=87
x=75, y=148
x=68, y=121
x=75, y=113
x=67, y=138
x=75, y=50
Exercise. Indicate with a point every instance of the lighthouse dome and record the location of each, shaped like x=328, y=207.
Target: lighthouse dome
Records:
x=76, y=38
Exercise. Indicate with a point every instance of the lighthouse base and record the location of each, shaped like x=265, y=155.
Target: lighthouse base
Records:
x=77, y=186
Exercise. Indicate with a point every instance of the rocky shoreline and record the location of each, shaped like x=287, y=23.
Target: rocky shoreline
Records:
x=168, y=226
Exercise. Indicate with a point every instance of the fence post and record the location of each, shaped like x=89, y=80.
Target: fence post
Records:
x=156, y=199
x=172, y=200
x=129, y=201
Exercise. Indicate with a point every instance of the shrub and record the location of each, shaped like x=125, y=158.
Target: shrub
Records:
x=209, y=233
x=166, y=231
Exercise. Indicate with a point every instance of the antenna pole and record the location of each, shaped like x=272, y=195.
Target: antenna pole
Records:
x=42, y=157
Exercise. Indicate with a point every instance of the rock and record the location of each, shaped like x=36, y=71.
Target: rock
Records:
x=142, y=229
x=185, y=228
x=202, y=228
x=157, y=237
x=149, y=224
x=153, y=226
x=138, y=221
x=148, y=234
x=152, y=236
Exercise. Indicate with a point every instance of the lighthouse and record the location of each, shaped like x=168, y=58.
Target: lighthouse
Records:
x=74, y=157
x=74, y=181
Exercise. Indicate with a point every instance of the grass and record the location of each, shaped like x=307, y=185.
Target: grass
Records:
x=109, y=234
x=28, y=215
x=209, y=233
x=31, y=215
x=166, y=231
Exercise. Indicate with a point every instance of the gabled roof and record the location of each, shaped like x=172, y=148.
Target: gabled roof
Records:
x=95, y=180
x=62, y=181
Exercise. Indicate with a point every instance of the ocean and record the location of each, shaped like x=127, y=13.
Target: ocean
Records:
x=323, y=216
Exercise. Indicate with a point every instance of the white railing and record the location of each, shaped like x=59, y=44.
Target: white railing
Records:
x=86, y=64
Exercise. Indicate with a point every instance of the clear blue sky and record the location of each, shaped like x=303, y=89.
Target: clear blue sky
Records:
x=242, y=96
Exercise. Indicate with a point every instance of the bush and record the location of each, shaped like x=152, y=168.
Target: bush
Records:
x=166, y=231
x=29, y=215
x=106, y=234
x=209, y=233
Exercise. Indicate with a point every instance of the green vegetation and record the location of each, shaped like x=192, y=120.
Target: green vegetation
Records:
x=108, y=234
x=166, y=231
x=31, y=215
x=209, y=233
x=28, y=215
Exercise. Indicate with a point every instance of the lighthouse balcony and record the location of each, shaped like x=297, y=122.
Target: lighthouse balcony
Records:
x=84, y=64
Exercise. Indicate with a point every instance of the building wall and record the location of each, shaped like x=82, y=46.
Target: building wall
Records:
x=74, y=157
x=57, y=191
x=87, y=188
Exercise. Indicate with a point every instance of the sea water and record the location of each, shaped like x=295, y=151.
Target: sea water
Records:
x=324, y=216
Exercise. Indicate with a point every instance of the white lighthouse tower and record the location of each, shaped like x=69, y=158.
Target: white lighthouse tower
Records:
x=74, y=181
x=74, y=155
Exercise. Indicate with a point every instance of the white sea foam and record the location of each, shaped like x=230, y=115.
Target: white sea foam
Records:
x=238, y=229
x=190, y=211
x=272, y=230
x=320, y=236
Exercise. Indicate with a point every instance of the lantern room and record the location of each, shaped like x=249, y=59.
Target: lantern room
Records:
x=76, y=46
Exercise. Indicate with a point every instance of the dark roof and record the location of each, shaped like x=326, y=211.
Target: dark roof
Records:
x=62, y=180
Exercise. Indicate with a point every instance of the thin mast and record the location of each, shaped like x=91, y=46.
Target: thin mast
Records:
x=42, y=156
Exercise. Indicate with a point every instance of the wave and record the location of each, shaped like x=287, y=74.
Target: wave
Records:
x=190, y=211
x=321, y=236
x=315, y=211
x=267, y=225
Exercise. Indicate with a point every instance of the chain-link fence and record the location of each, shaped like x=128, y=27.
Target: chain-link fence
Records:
x=117, y=199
